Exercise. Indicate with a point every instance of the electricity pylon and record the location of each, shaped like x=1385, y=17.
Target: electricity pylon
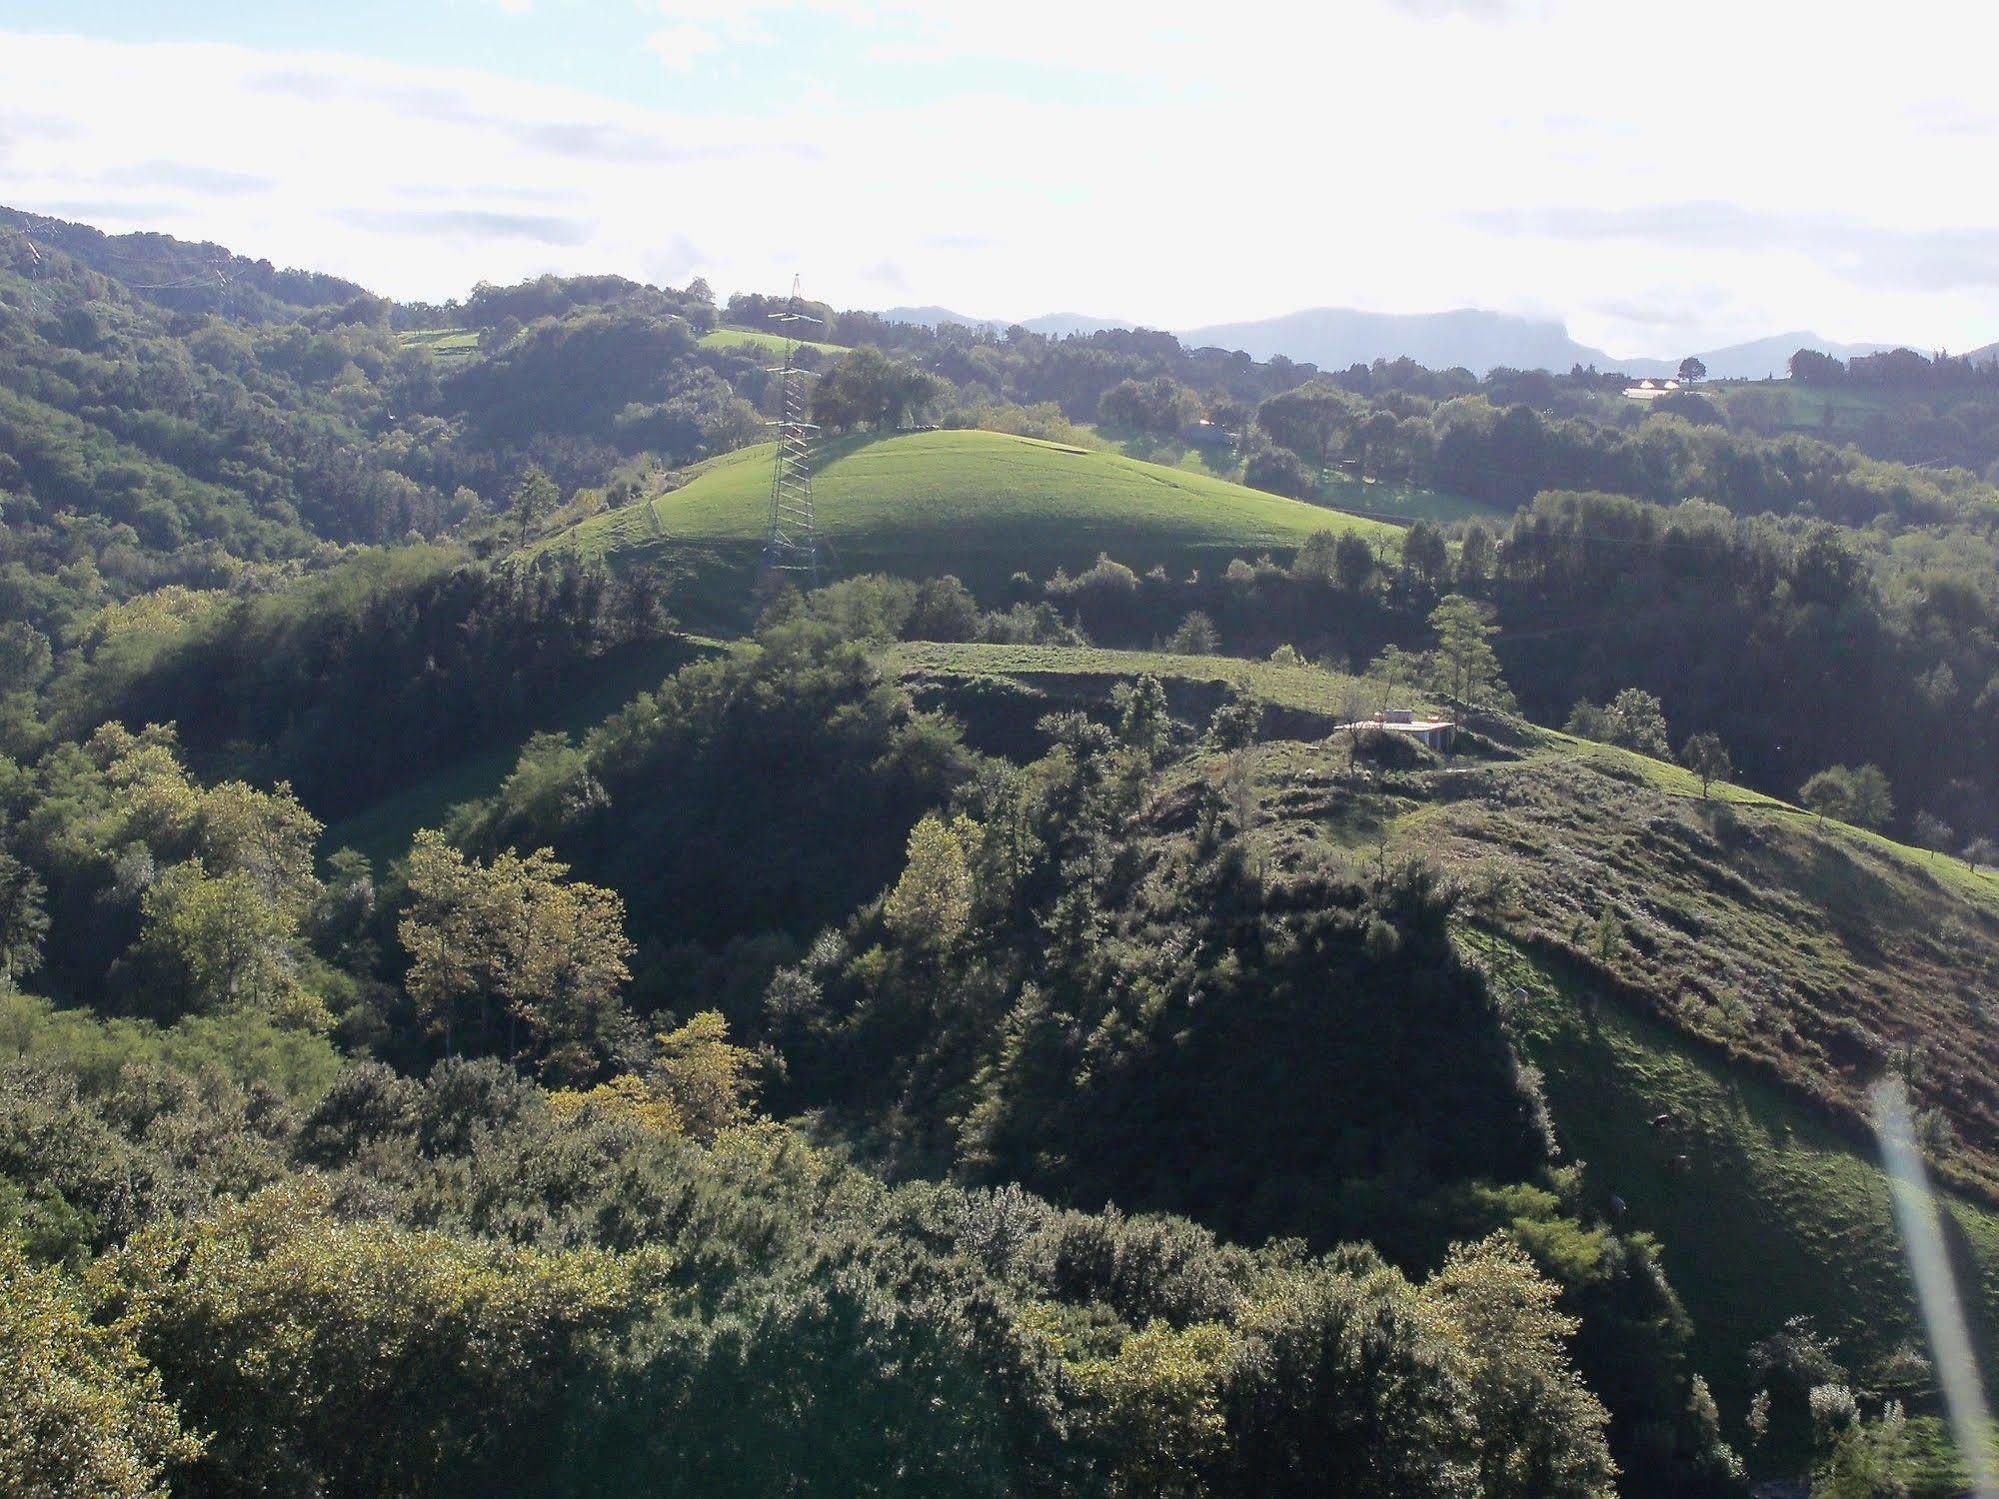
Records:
x=791, y=543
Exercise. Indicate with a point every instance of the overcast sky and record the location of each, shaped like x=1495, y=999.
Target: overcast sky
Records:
x=1662, y=174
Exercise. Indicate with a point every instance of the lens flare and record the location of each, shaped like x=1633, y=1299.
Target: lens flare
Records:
x=1929, y=1266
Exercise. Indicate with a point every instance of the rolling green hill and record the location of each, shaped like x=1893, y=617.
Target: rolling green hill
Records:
x=982, y=505
x=1760, y=970
x=1763, y=969
x=1705, y=1052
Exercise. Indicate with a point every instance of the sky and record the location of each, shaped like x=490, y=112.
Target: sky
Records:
x=1664, y=176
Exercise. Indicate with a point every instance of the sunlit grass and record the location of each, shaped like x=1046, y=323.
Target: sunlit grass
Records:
x=766, y=343
x=982, y=505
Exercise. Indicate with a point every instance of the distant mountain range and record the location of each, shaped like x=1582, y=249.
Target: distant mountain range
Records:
x=1053, y=324
x=1335, y=337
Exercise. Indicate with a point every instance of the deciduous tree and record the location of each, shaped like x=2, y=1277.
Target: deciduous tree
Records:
x=1464, y=667
x=1707, y=757
x=931, y=904
x=549, y=950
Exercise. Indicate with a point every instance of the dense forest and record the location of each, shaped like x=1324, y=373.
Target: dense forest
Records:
x=751, y=1069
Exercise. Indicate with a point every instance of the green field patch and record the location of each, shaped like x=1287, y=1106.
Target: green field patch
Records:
x=1307, y=689
x=982, y=505
x=763, y=343
x=451, y=344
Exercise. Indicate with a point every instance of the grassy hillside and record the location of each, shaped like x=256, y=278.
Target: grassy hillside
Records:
x=1775, y=1215
x=979, y=504
x=1759, y=972
x=451, y=346
x=1817, y=956
x=769, y=343
x=1304, y=688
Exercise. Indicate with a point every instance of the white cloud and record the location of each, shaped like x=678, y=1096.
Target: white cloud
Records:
x=1189, y=167
x=681, y=47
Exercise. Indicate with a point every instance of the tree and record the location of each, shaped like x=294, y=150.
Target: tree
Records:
x=1980, y=851
x=533, y=500
x=1632, y=720
x=1394, y=672
x=81, y=1412
x=1424, y=554
x=1707, y=757
x=1933, y=833
x=550, y=950
x=1196, y=636
x=328, y=1356
x=1475, y=552
x=1161, y=406
x=1279, y=471
x=1859, y=1459
x=1824, y=569
x=25, y=657
x=1353, y=561
x=24, y=923
x=1826, y=793
x=1858, y=794
x=1144, y=722
x=1313, y=421
x=1540, y=1430
x=1229, y=414
x=944, y=609
x=231, y=945
x=1873, y=803
x=1153, y=1411
x=931, y=904
x=1810, y=367
x=268, y=836
x=1692, y=370
x=867, y=388
x=1347, y=1382
x=1464, y=667
x=1236, y=723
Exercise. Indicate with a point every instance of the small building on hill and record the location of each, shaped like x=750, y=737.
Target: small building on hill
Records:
x=1650, y=390
x=1431, y=733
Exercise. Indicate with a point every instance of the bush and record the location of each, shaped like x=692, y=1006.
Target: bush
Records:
x=1278, y=471
x=1197, y=636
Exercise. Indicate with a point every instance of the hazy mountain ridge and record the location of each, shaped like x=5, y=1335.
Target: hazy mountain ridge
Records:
x=1052, y=324
x=1336, y=337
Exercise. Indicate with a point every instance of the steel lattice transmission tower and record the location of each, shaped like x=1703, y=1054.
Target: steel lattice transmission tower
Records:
x=792, y=543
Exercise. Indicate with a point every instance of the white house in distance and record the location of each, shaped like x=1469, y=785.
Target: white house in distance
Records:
x=1432, y=733
x=1650, y=390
